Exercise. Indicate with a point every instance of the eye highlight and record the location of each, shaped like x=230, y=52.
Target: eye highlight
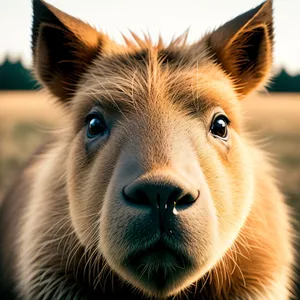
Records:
x=219, y=127
x=96, y=126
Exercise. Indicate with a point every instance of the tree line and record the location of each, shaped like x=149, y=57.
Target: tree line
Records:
x=13, y=76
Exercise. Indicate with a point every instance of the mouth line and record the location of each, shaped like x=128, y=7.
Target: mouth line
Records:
x=158, y=266
x=159, y=254
x=156, y=246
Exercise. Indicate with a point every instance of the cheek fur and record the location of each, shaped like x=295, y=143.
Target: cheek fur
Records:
x=232, y=188
x=87, y=184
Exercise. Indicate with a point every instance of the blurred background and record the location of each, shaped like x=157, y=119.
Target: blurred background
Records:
x=27, y=116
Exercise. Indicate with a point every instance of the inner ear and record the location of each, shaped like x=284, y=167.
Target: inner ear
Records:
x=61, y=60
x=63, y=48
x=248, y=55
x=247, y=58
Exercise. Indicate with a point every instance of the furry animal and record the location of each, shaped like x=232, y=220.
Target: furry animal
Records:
x=153, y=188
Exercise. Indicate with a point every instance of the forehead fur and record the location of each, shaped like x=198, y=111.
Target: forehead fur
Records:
x=144, y=73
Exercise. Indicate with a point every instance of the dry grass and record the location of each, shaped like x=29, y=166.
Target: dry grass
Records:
x=276, y=120
x=26, y=118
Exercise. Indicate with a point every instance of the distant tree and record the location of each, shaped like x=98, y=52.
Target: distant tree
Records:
x=283, y=82
x=13, y=76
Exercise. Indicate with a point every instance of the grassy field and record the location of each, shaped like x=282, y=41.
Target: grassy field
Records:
x=26, y=119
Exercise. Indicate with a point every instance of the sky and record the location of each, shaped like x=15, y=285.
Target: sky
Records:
x=168, y=17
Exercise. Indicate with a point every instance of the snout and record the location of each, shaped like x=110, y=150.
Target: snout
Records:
x=163, y=197
x=158, y=222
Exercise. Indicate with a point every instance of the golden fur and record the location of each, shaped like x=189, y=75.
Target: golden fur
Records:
x=77, y=236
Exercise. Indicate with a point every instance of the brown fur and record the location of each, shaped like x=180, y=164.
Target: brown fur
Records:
x=78, y=237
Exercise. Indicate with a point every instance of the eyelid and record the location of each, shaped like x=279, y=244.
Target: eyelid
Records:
x=221, y=114
x=91, y=114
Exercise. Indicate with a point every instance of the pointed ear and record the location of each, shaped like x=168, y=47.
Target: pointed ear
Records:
x=63, y=47
x=243, y=47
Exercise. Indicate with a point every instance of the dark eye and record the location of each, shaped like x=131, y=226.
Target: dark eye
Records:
x=95, y=125
x=219, y=127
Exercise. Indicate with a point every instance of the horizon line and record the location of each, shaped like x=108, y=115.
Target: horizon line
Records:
x=15, y=58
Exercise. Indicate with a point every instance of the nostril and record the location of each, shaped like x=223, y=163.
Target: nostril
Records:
x=175, y=195
x=136, y=196
x=160, y=196
x=186, y=200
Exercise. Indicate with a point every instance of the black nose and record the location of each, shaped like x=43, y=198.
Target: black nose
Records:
x=161, y=195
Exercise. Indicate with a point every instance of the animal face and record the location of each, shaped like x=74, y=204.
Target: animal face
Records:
x=159, y=175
